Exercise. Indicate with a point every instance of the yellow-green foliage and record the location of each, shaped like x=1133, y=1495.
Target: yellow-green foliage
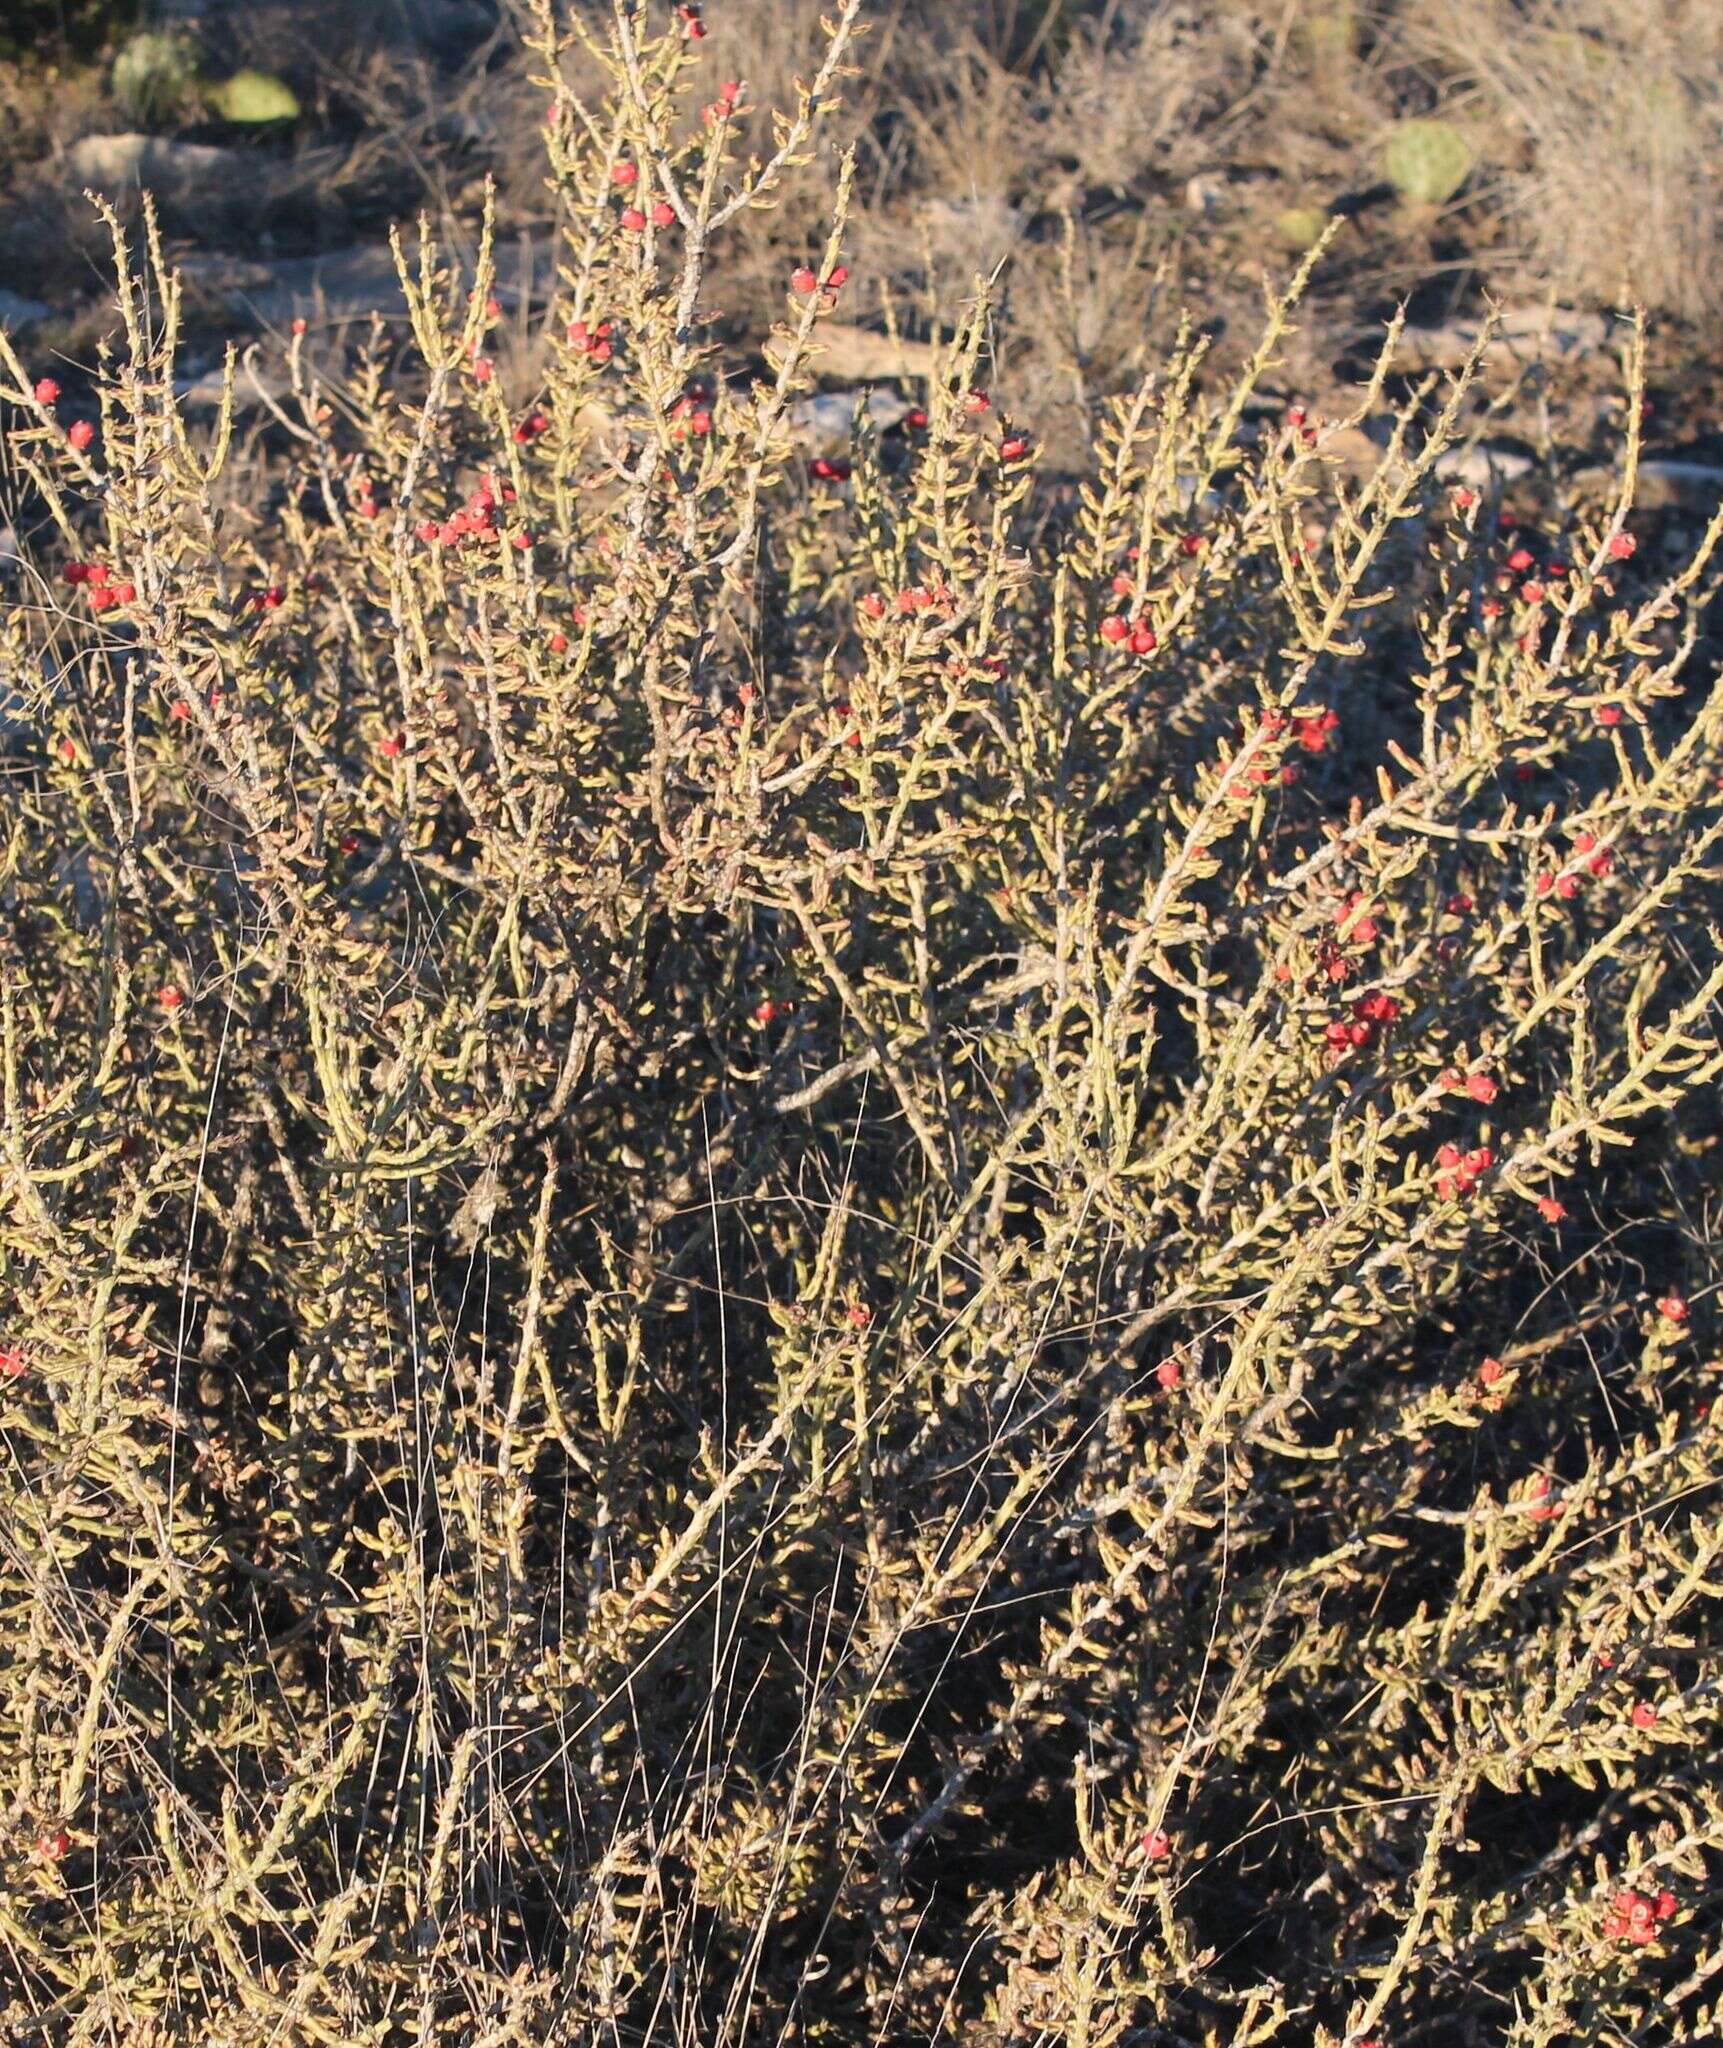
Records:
x=886, y=1259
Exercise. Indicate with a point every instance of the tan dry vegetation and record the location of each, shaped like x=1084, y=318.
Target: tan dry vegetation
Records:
x=904, y=1248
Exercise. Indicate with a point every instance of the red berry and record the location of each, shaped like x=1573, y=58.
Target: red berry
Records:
x=391, y=746
x=838, y=278
x=1552, y=1210
x=1520, y=560
x=804, y=281
x=1143, y=640
x=624, y=173
x=558, y=643
x=1491, y=1370
x=1481, y=1088
x=13, y=1364
x=1673, y=1309
x=1156, y=1844
x=663, y=214
x=47, y=391
x=1644, y=1714
x=1014, y=449
x=1622, y=546
x=1168, y=1373
x=633, y=219
x=80, y=434
x=170, y=997
x=1115, y=629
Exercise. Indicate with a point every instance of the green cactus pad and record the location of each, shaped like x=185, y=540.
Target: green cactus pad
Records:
x=1427, y=161
x=1300, y=227
x=252, y=97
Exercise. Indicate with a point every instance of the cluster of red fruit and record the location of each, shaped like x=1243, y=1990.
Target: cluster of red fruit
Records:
x=1357, y=928
x=804, y=281
x=1565, y=882
x=1634, y=1916
x=1119, y=631
x=475, y=521
x=365, y=498
x=1312, y=733
x=692, y=412
x=1459, y=1172
x=597, y=342
x=938, y=598
x=101, y=590
x=1480, y=1087
x=1372, y=1013
x=80, y=434
x=1542, y=1508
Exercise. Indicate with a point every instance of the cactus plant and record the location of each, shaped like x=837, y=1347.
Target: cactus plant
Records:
x=252, y=97
x=153, y=75
x=1300, y=227
x=1330, y=31
x=1427, y=161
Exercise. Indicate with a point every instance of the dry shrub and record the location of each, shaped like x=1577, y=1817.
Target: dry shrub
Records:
x=859, y=1257
x=1610, y=113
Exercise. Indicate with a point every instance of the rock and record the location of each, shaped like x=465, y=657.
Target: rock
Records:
x=1672, y=484
x=346, y=284
x=252, y=387
x=1483, y=464
x=1523, y=335
x=858, y=354
x=823, y=424
x=18, y=313
x=112, y=163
